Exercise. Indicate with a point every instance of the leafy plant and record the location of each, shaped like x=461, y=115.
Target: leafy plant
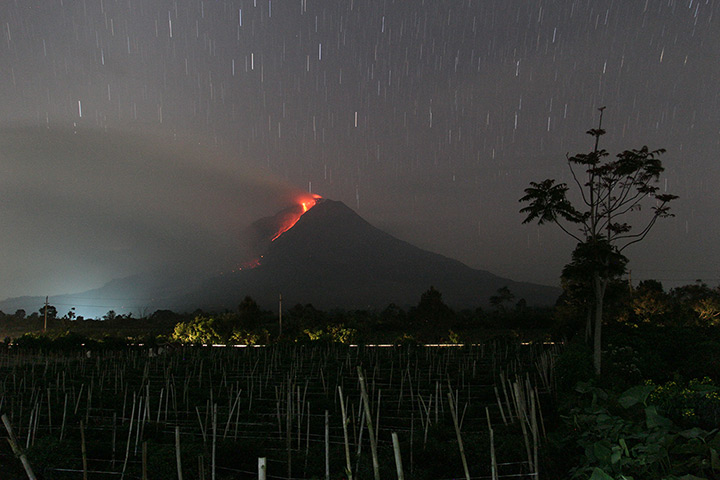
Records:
x=628, y=438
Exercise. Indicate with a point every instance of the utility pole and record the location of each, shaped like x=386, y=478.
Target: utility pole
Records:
x=280, y=313
x=46, y=308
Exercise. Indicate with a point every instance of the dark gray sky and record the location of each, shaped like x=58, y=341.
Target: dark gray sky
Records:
x=141, y=132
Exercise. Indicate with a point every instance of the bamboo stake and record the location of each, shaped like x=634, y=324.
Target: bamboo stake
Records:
x=140, y=422
x=127, y=448
x=499, y=402
x=16, y=449
x=507, y=400
x=262, y=468
x=398, y=458
x=493, y=460
x=114, y=435
x=29, y=430
x=232, y=410
x=539, y=408
x=288, y=429
x=459, y=437
x=49, y=411
x=144, y=460
x=368, y=420
x=214, y=440
x=412, y=434
x=523, y=420
x=327, y=445
x=77, y=403
x=177, y=453
x=307, y=437
x=83, y=450
x=202, y=429
x=377, y=416
x=534, y=429
x=348, y=464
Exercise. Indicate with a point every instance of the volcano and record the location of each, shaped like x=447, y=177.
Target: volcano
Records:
x=332, y=258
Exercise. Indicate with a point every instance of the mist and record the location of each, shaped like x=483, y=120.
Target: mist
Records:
x=81, y=206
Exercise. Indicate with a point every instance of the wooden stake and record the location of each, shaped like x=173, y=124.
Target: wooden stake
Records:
x=144, y=460
x=499, y=402
x=127, y=447
x=348, y=464
x=16, y=448
x=493, y=460
x=177, y=452
x=459, y=437
x=522, y=415
x=398, y=458
x=114, y=436
x=214, y=441
x=288, y=429
x=83, y=450
x=262, y=468
x=327, y=445
x=368, y=420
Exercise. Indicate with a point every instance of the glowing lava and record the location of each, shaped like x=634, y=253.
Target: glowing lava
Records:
x=289, y=220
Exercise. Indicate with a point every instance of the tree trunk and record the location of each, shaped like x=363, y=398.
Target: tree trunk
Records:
x=599, y=285
x=588, y=323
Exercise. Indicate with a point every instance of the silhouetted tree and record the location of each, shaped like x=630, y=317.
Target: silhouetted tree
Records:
x=610, y=191
x=431, y=310
x=249, y=313
x=393, y=317
x=51, y=312
x=501, y=297
x=301, y=316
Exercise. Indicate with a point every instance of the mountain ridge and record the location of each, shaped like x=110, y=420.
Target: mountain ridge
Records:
x=330, y=258
x=333, y=258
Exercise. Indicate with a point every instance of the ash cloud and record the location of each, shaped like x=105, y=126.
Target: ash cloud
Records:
x=80, y=206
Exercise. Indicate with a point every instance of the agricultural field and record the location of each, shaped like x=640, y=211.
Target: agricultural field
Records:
x=317, y=410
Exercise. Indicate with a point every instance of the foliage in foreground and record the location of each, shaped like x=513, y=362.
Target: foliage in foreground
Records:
x=629, y=437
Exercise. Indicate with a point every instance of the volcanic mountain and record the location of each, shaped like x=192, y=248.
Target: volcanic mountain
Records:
x=331, y=257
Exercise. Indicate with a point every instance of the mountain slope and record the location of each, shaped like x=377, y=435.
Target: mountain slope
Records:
x=333, y=258
x=330, y=257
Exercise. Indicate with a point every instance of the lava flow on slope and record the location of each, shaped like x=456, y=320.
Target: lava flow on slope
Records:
x=265, y=230
x=289, y=217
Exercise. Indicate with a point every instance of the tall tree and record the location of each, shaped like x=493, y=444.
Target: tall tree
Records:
x=610, y=191
x=501, y=297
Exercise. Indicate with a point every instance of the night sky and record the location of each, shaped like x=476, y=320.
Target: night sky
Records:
x=139, y=133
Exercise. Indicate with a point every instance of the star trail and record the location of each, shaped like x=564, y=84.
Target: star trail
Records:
x=429, y=118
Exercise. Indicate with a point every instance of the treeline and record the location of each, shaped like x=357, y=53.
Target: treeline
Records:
x=648, y=304
x=430, y=321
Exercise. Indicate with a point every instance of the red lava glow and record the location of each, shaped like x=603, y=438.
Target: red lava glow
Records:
x=304, y=204
x=255, y=262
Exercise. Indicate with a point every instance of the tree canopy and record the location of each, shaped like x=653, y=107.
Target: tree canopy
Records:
x=610, y=192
